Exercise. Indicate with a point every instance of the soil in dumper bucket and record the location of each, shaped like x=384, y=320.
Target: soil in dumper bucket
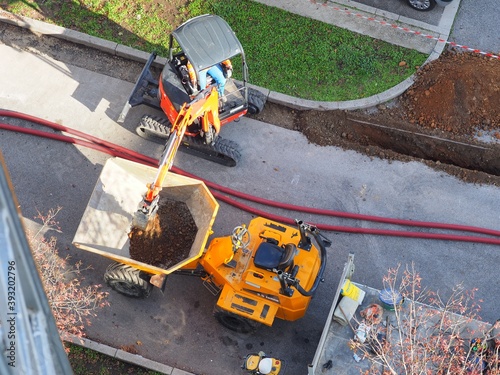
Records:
x=168, y=240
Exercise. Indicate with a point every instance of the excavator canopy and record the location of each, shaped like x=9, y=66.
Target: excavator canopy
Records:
x=207, y=40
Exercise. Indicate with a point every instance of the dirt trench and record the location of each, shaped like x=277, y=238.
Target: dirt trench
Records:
x=449, y=119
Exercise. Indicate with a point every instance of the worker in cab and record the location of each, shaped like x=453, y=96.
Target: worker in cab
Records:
x=219, y=72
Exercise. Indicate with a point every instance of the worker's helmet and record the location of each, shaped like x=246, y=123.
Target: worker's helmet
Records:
x=266, y=366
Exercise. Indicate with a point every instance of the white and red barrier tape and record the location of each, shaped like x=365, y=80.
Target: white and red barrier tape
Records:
x=419, y=33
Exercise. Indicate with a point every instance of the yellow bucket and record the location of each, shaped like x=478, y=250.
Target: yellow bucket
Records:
x=350, y=290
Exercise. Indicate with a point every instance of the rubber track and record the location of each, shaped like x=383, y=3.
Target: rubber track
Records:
x=222, y=151
x=154, y=129
x=257, y=100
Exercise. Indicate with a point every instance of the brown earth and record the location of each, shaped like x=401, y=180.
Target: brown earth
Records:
x=169, y=240
x=438, y=121
x=454, y=101
x=459, y=93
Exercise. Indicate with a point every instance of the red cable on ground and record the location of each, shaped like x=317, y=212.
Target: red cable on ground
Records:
x=372, y=231
x=58, y=137
x=88, y=137
x=119, y=151
x=346, y=215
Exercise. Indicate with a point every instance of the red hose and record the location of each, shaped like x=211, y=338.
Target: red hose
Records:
x=64, y=138
x=119, y=151
x=341, y=214
x=372, y=231
x=62, y=128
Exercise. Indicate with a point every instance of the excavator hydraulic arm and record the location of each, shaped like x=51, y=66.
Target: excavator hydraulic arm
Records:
x=206, y=107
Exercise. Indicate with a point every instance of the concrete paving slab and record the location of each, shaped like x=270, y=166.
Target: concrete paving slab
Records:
x=368, y=19
x=98, y=347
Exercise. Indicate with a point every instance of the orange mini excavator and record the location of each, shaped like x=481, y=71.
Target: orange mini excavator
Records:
x=197, y=45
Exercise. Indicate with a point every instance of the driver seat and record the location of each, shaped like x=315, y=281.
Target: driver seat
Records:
x=270, y=256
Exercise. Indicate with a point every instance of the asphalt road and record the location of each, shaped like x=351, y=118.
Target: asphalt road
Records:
x=401, y=8
x=177, y=328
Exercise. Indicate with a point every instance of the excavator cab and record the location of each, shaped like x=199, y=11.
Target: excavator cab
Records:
x=195, y=46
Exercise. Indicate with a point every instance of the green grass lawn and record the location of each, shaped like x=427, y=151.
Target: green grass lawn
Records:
x=88, y=362
x=286, y=53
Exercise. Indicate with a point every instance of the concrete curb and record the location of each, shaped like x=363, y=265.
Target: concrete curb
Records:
x=117, y=49
x=43, y=28
x=124, y=356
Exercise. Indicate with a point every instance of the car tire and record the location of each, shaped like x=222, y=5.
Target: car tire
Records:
x=422, y=5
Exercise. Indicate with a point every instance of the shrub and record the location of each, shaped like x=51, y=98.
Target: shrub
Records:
x=72, y=303
x=428, y=335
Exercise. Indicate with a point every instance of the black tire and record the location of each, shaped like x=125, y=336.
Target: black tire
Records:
x=256, y=101
x=153, y=129
x=235, y=322
x=128, y=280
x=422, y=5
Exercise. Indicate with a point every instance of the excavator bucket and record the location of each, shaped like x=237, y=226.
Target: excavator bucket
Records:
x=107, y=220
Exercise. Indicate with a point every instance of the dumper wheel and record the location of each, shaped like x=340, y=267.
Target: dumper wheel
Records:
x=235, y=322
x=128, y=280
x=256, y=101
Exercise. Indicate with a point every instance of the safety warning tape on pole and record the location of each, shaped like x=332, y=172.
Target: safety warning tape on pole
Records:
x=406, y=29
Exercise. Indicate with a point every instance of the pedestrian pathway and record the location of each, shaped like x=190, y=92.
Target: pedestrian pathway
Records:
x=365, y=19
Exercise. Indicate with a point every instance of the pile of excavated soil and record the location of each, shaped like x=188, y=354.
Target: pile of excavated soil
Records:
x=168, y=240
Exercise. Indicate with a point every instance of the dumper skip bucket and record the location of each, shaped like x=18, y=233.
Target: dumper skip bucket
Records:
x=107, y=219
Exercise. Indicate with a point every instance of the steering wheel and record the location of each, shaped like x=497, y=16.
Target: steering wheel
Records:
x=240, y=237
